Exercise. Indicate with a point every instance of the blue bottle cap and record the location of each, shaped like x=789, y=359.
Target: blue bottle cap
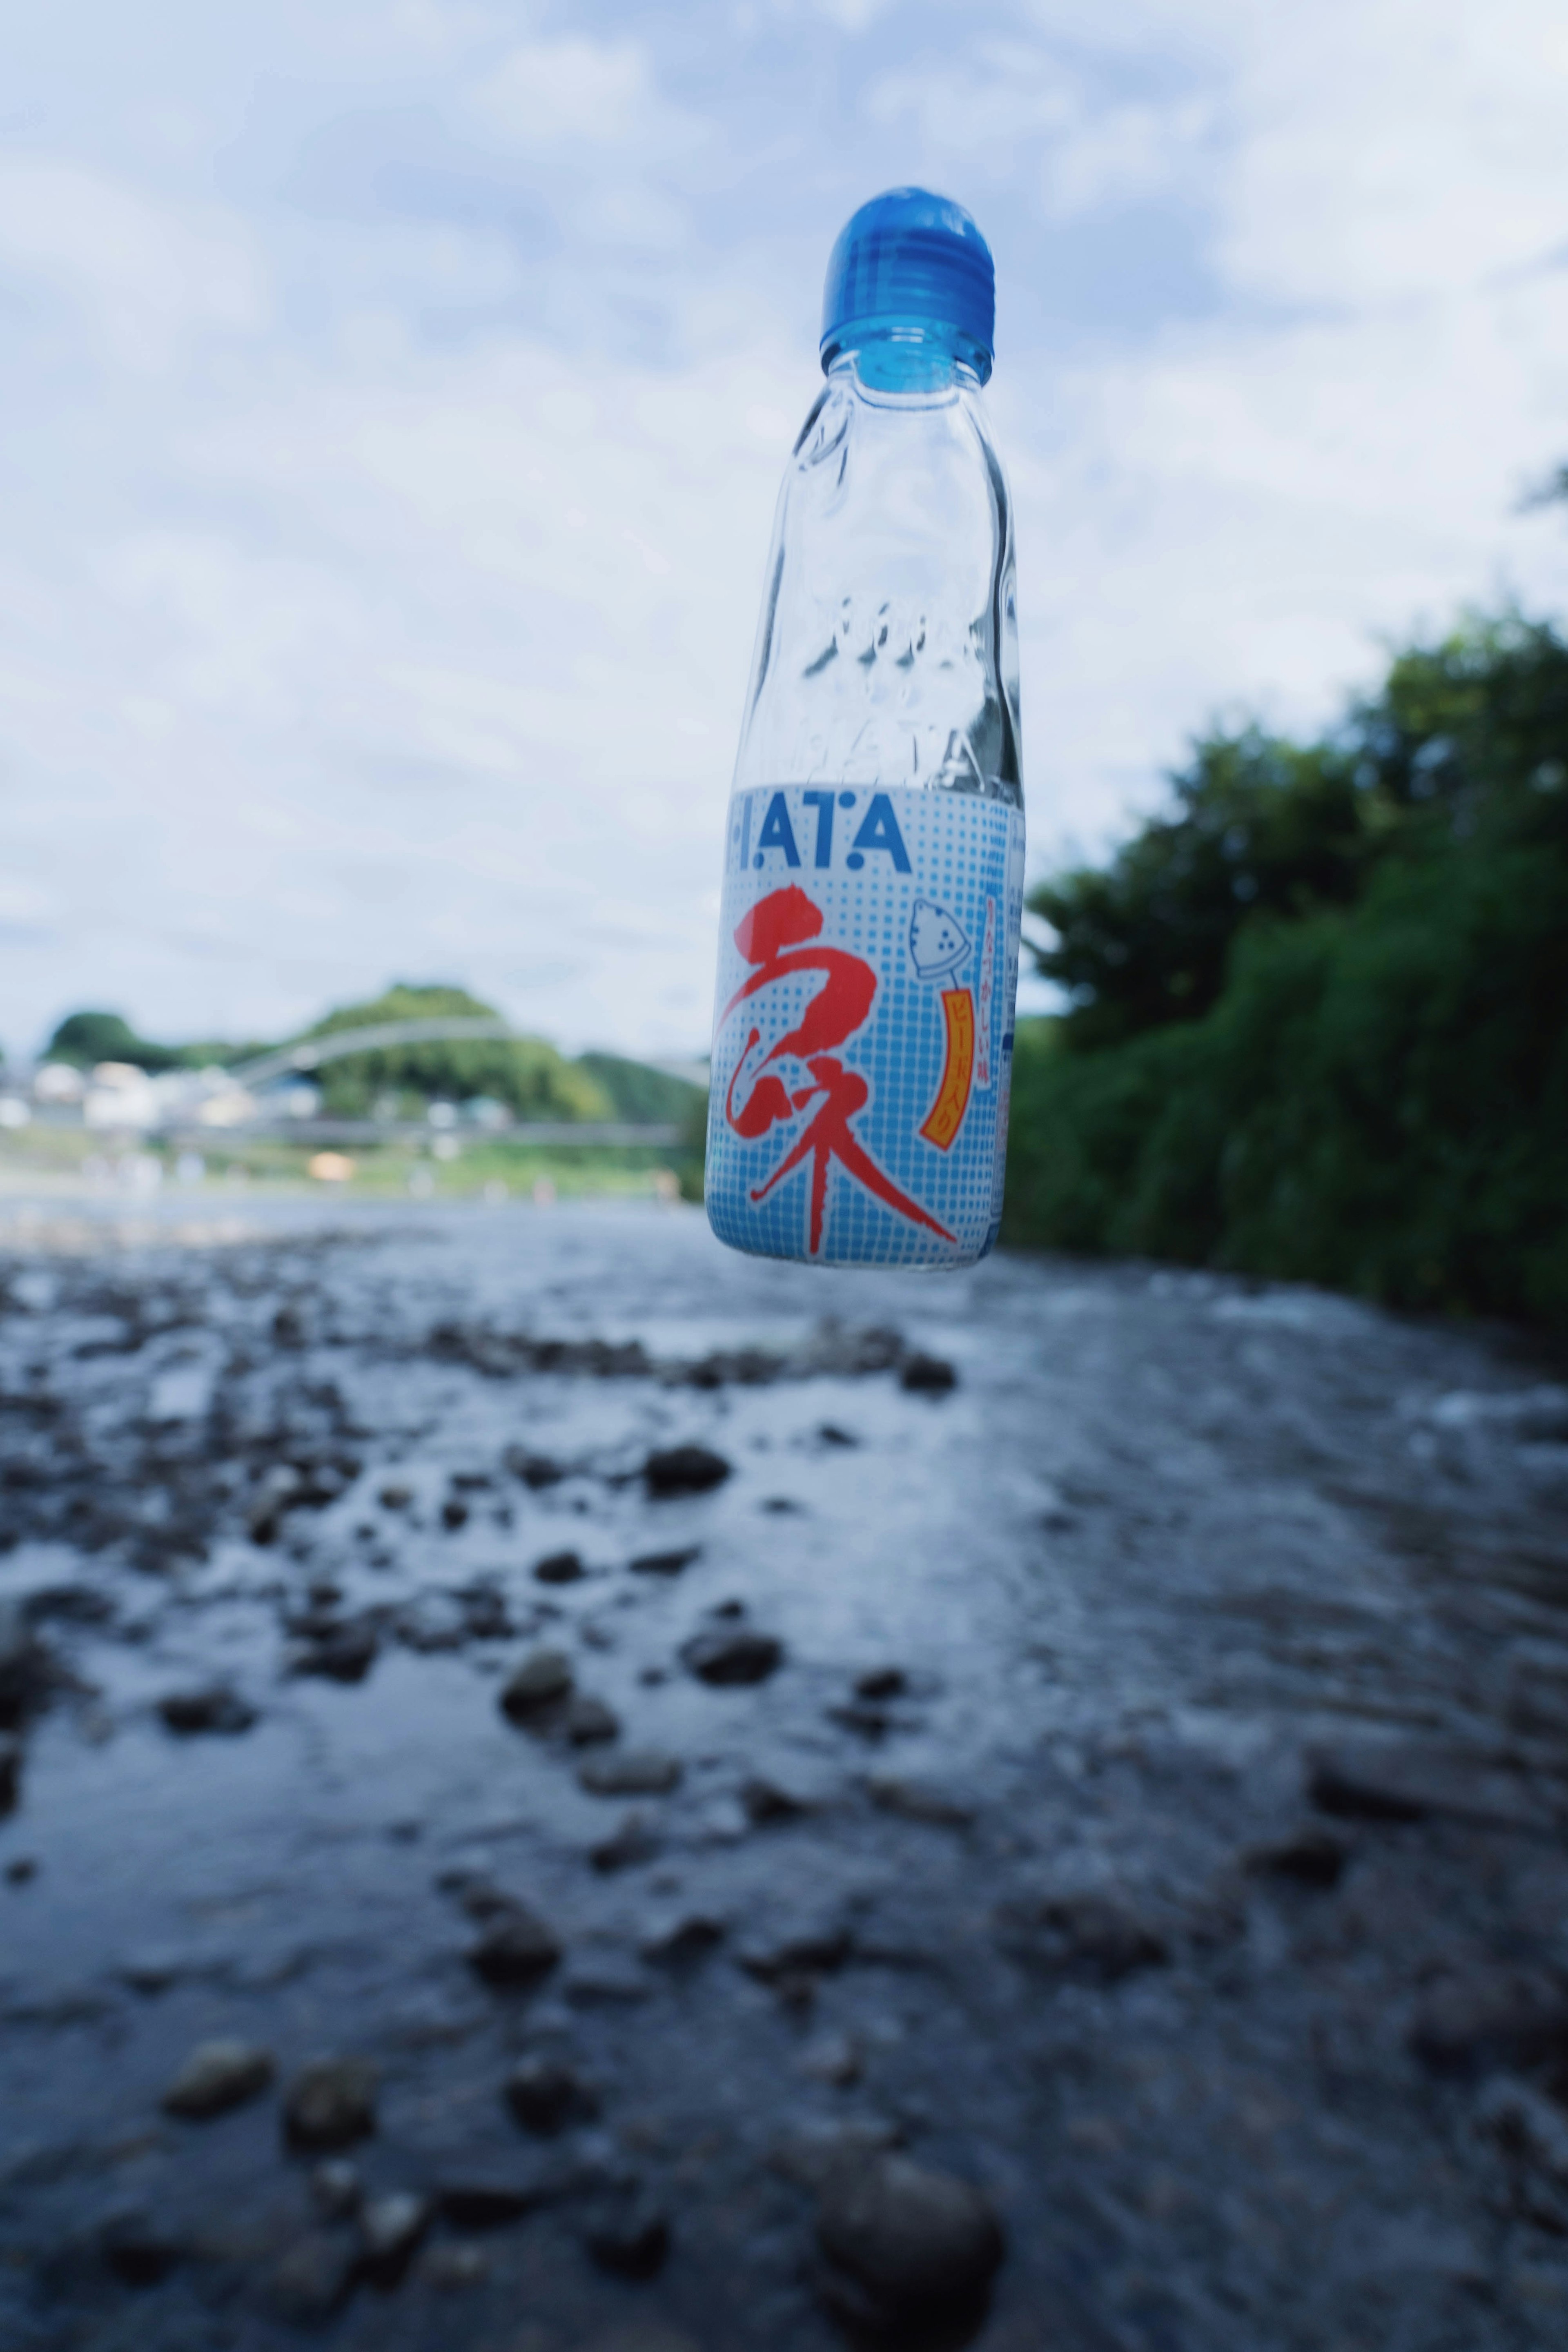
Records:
x=911, y=259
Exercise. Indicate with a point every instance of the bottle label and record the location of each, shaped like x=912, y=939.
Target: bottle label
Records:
x=863, y=1024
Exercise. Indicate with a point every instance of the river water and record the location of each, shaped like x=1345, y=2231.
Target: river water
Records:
x=1152, y=1814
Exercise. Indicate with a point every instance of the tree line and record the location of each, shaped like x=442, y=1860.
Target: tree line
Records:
x=1316, y=1012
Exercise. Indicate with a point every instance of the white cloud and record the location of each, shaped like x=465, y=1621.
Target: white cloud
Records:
x=1394, y=150
x=378, y=585
x=147, y=277
x=1015, y=110
x=553, y=96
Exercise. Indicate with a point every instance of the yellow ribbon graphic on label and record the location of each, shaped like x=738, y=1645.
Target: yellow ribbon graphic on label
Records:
x=945, y=1115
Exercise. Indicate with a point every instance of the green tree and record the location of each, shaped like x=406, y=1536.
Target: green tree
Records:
x=530, y=1076
x=1265, y=828
x=84, y=1039
x=1376, y=1096
x=636, y=1091
x=1259, y=826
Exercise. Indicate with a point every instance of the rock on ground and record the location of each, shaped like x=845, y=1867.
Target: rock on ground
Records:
x=1090, y=1934
x=628, y=2235
x=918, y=1800
x=589, y=1720
x=729, y=1656
x=902, y=2242
x=684, y=1470
x=637, y=1772
x=516, y=1949
x=666, y=1563
x=927, y=1375
x=633, y=1839
x=391, y=2228
x=216, y=1709
x=331, y=2103
x=26, y=1670
x=218, y=2076
x=140, y=2248
x=544, y=1680
x=545, y=2095
x=1497, y=2016
x=315, y=2278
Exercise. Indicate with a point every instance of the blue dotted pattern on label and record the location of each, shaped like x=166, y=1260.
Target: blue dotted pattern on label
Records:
x=962, y=852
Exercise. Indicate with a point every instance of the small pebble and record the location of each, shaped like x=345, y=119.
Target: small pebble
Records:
x=336, y=2186
x=766, y=1803
x=218, y=2076
x=684, y=1470
x=139, y=2249
x=391, y=2227
x=314, y=2278
x=517, y=1948
x=632, y=1842
x=728, y=1659
x=918, y=1800
x=544, y=2095
x=834, y=2059
x=633, y=1772
x=684, y=1941
x=1312, y=1857
x=628, y=2236
x=454, y=2267
x=542, y=1680
x=927, y=1375
x=218, y=1709
x=560, y=1568
x=589, y=1720
x=331, y=2103
x=666, y=1563
x=344, y=1654
x=905, y=2241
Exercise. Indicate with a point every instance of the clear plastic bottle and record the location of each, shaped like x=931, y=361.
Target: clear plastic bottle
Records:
x=873, y=874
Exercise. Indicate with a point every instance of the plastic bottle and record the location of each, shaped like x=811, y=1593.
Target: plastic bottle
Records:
x=873, y=872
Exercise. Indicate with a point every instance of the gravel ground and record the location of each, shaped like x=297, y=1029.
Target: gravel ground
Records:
x=564, y=1791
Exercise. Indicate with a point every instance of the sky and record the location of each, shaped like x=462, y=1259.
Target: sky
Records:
x=394, y=395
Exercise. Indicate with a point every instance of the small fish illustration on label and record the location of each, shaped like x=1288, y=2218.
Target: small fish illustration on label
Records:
x=937, y=943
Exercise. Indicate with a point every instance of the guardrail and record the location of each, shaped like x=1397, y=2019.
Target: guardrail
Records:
x=593, y=1132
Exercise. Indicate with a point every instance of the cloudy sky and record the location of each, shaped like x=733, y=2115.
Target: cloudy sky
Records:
x=394, y=394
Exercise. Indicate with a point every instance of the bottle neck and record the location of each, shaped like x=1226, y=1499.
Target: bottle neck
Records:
x=907, y=356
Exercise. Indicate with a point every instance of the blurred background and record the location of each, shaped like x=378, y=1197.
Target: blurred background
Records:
x=397, y=396
x=565, y=1791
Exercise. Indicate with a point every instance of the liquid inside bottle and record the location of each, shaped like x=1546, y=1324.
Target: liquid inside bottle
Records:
x=874, y=855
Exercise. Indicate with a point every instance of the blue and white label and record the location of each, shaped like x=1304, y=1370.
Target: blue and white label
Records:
x=863, y=1024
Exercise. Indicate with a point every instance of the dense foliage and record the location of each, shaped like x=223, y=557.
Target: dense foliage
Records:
x=1318, y=1020
x=525, y=1074
x=84, y=1039
x=529, y=1076
x=637, y=1092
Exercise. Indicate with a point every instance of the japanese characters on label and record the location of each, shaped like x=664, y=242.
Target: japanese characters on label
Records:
x=863, y=1024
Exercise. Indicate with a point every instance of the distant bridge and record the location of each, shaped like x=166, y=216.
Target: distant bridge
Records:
x=310, y=1052
x=439, y=1029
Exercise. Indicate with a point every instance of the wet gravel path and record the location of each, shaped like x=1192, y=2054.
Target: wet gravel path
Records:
x=774, y=1842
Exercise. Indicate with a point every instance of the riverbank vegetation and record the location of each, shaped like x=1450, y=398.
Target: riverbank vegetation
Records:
x=1317, y=1011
